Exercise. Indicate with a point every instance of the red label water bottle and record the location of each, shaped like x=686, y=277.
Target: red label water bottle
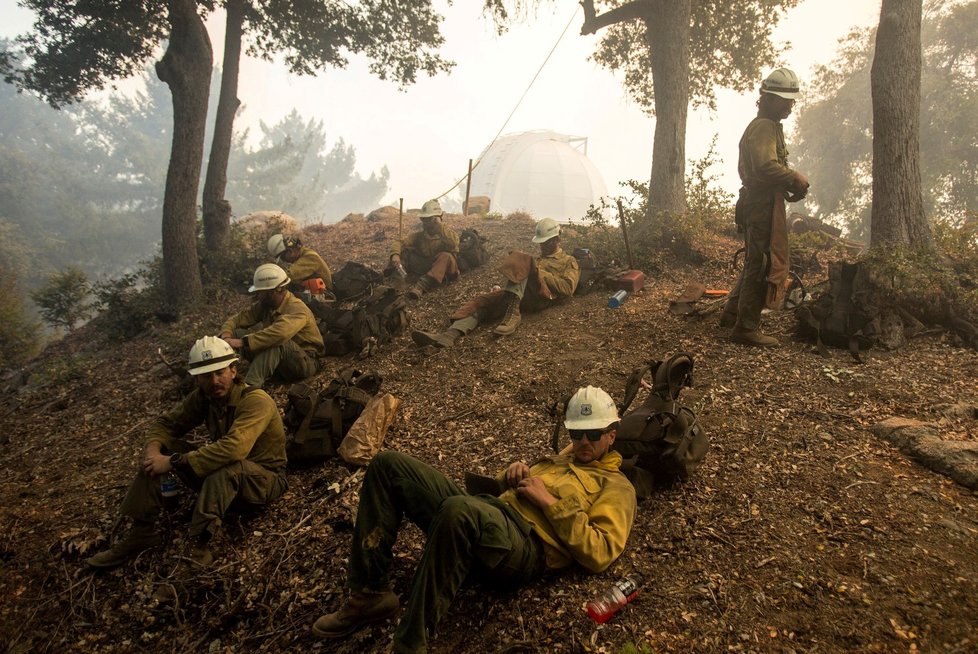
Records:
x=620, y=594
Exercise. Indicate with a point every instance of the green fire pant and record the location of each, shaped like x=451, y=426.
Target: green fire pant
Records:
x=747, y=298
x=468, y=536
x=243, y=481
x=439, y=267
x=530, y=300
x=286, y=363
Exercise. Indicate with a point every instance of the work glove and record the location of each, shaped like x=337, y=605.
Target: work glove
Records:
x=797, y=196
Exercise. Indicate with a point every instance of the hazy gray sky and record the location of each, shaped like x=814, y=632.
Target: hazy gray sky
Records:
x=426, y=134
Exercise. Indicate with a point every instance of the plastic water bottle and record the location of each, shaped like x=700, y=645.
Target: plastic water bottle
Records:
x=168, y=485
x=621, y=593
x=617, y=299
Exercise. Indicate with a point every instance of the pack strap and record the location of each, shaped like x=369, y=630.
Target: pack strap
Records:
x=632, y=384
x=557, y=410
x=336, y=416
x=303, y=431
x=672, y=375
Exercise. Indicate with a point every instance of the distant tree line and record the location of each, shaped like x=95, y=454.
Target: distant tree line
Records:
x=834, y=142
x=76, y=47
x=83, y=187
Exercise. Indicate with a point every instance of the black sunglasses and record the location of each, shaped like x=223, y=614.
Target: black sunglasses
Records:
x=593, y=435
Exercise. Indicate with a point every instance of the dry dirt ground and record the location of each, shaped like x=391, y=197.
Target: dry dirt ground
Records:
x=801, y=532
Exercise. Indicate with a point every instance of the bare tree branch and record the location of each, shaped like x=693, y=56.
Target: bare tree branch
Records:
x=631, y=11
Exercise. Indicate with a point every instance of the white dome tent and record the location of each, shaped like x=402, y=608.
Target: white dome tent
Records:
x=541, y=172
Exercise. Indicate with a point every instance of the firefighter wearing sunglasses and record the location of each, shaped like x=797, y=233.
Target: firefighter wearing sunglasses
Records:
x=572, y=508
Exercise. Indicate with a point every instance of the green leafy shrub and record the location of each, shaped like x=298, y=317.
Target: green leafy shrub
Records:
x=640, y=648
x=247, y=249
x=653, y=236
x=63, y=299
x=128, y=304
x=928, y=284
x=704, y=196
x=19, y=333
x=959, y=242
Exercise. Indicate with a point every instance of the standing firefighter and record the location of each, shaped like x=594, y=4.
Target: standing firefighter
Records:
x=767, y=183
x=277, y=333
x=243, y=460
x=532, y=284
x=570, y=508
x=431, y=253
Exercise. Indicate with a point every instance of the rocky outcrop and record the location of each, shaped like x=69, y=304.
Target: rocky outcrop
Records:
x=921, y=442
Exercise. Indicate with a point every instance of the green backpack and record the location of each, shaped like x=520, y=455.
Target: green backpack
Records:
x=661, y=441
x=316, y=420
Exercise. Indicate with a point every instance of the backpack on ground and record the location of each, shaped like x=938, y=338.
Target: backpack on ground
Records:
x=380, y=315
x=472, y=251
x=661, y=441
x=354, y=280
x=317, y=419
x=847, y=315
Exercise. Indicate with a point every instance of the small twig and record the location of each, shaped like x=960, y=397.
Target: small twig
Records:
x=294, y=529
x=848, y=456
x=710, y=533
x=859, y=483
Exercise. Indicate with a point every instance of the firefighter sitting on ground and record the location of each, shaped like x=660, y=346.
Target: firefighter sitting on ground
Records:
x=431, y=252
x=532, y=284
x=308, y=270
x=277, y=333
x=244, y=458
x=570, y=508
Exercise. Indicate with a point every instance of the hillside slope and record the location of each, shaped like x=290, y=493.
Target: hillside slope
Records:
x=801, y=532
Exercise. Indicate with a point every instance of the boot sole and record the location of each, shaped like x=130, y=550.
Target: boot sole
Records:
x=750, y=343
x=119, y=562
x=422, y=339
x=352, y=628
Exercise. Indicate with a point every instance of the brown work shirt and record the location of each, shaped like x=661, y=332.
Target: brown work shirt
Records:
x=559, y=274
x=309, y=265
x=763, y=163
x=247, y=426
x=446, y=240
x=292, y=320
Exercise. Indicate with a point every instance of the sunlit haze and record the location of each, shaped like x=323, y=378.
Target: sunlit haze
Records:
x=426, y=134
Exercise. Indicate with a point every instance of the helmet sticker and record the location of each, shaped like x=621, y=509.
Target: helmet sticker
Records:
x=585, y=409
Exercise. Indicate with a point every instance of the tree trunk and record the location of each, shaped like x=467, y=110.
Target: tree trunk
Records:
x=217, y=210
x=667, y=29
x=186, y=69
x=898, y=209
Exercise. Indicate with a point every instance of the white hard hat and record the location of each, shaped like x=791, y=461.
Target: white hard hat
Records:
x=546, y=230
x=431, y=209
x=590, y=408
x=209, y=354
x=782, y=82
x=276, y=245
x=268, y=277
